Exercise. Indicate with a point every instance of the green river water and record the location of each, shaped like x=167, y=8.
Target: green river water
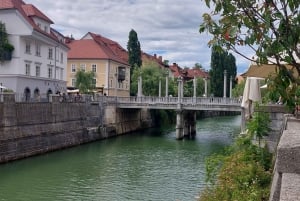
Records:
x=150, y=165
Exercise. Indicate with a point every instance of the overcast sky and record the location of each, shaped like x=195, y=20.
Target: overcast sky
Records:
x=168, y=28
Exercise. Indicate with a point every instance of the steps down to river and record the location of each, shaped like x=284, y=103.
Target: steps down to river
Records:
x=286, y=178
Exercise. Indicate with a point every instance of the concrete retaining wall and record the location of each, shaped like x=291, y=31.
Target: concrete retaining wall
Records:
x=286, y=179
x=28, y=129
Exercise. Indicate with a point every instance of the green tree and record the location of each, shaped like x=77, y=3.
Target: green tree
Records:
x=85, y=81
x=221, y=61
x=269, y=28
x=5, y=46
x=134, y=51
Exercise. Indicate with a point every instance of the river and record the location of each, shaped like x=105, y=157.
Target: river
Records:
x=150, y=165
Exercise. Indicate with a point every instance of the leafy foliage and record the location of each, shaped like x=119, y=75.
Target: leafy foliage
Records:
x=238, y=90
x=84, y=81
x=269, y=28
x=243, y=173
x=5, y=46
x=134, y=51
x=258, y=126
x=220, y=61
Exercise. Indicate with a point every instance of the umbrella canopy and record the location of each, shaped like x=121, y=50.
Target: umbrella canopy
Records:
x=2, y=87
x=251, y=94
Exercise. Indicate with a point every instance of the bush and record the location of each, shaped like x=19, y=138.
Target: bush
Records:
x=242, y=174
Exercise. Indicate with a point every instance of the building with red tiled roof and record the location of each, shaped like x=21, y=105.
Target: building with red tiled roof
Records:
x=103, y=56
x=39, y=59
x=187, y=73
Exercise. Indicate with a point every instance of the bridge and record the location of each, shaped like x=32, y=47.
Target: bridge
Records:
x=185, y=108
x=184, y=103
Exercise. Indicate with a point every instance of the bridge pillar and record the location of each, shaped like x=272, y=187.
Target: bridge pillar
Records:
x=225, y=83
x=189, y=129
x=179, y=124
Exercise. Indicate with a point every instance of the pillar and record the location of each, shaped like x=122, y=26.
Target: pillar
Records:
x=195, y=87
x=159, y=88
x=189, y=130
x=179, y=89
x=230, y=87
x=243, y=120
x=167, y=86
x=225, y=79
x=205, y=87
x=179, y=124
x=140, y=87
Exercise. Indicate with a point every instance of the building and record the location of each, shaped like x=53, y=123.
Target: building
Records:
x=39, y=60
x=187, y=73
x=106, y=58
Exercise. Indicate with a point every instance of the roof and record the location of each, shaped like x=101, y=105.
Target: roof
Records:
x=263, y=71
x=158, y=60
x=188, y=73
x=28, y=11
x=97, y=47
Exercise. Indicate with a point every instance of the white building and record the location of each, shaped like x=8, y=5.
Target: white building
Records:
x=39, y=60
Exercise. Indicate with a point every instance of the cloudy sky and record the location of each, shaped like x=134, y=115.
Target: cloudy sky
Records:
x=168, y=28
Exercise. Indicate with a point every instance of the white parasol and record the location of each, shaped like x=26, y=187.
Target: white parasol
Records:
x=251, y=94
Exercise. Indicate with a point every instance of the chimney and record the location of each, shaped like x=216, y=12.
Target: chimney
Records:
x=174, y=64
x=155, y=56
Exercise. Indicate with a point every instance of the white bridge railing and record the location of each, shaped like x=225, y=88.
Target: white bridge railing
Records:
x=190, y=103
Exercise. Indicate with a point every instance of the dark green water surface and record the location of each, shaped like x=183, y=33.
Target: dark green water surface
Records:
x=150, y=165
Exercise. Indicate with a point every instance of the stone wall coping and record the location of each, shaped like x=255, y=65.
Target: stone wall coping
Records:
x=290, y=187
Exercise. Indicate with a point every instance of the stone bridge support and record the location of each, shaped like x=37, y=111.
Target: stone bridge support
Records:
x=179, y=124
x=189, y=126
x=185, y=124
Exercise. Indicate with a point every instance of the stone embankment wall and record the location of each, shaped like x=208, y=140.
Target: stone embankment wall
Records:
x=286, y=175
x=28, y=129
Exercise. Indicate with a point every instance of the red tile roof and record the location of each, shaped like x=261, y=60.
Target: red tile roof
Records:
x=188, y=73
x=98, y=47
x=31, y=10
x=28, y=11
x=158, y=60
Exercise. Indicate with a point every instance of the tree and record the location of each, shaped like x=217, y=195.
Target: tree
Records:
x=5, y=47
x=134, y=51
x=85, y=81
x=269, y=28
x=221, y=61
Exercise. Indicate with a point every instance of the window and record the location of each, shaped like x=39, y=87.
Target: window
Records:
x=82, y=67
x=45, y=28
x=61, y=57
x=50, y=53
x=73, y=82
x=61, y=73
x=37, y=71
x=73, y=68
x=27, y=69
x=27, y=48
x=94, y=68
x=50, y=72
x=37, y=49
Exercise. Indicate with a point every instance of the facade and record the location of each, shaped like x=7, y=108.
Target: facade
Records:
x=39, y=59
x=106, y=58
